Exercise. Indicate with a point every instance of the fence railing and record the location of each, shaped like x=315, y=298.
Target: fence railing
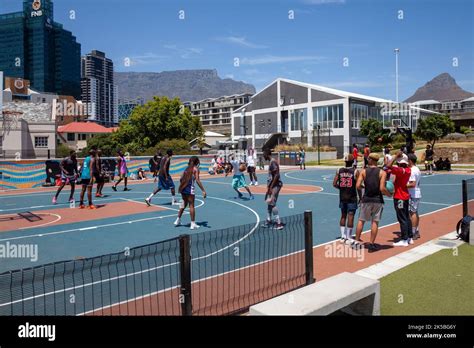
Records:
x=209, y=273
x=468, y=197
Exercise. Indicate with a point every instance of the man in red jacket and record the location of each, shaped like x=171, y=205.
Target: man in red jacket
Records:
x=401, y=198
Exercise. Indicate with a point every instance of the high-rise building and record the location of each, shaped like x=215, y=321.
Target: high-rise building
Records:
x=98, y=90
x=125, y=107
x=34, y=47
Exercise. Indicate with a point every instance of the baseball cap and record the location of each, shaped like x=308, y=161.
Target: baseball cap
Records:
x=403, y=161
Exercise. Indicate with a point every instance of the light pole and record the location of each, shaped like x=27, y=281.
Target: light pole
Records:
x=397, y=52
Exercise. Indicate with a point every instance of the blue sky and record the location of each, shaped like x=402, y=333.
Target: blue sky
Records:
x=311, y=47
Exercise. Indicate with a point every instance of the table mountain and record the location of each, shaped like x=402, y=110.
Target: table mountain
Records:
x=188, y=85
x=442, y=87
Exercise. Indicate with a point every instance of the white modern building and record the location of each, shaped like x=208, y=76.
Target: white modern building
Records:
x=288, y=111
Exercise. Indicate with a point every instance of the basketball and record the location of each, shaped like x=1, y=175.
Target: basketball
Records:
x=243, y=167
x=389, y=186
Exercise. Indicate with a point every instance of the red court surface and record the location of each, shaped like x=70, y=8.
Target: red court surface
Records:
x=63, y=216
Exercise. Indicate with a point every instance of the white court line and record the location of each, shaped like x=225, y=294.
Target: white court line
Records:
x=47, y=223
x=55, y=205
x=150, y=269
x=310, y=180
x=92, y=227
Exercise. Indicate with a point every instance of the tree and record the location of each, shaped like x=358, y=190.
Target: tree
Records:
x=159, y=119
x=374, y=131
x=433, y=128
x=105, y=142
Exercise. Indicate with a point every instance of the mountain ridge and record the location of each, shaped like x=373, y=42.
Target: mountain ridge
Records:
x=189, y=85
x=441, y=88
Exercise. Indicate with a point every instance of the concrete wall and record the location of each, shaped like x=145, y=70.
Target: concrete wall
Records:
x=262, y=124
x=298, y=93
x=248, y=125
x=266, y=98
x=322, y=96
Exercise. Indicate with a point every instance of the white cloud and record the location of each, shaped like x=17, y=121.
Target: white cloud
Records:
x=241, y=41
x=144, y=59
x=323, y=2
x=269, y=59
x=184, y=52
x=229, y=76
x=306, y=71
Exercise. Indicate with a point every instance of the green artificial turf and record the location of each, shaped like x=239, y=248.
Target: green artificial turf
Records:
x=440, y=284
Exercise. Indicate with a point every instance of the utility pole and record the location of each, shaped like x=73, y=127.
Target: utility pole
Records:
x=397, y=52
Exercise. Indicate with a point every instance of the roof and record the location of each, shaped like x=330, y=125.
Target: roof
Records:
x=424, y=102
x=213, y=134
x=468, y=99
x=83, y=127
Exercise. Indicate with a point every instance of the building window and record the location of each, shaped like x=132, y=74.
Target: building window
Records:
x=298, y=119
x=41, y=141
x=71, y=137
x=330, y=116
x=358, y=114
x=82, y=137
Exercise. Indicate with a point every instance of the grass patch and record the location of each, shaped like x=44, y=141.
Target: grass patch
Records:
x=440, y=284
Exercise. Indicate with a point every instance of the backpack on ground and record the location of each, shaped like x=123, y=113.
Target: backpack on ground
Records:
x=463, y=228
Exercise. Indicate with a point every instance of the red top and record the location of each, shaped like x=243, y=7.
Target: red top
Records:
x=401, y=181
x=366, y=152
x=355, y=153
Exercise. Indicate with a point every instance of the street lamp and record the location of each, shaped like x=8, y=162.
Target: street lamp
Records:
x=397, y=52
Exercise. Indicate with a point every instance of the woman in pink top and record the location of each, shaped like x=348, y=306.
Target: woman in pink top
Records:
x=123, y=171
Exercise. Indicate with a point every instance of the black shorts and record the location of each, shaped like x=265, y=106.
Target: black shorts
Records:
x=250, y=169
x=98, y=178
x=85, y=182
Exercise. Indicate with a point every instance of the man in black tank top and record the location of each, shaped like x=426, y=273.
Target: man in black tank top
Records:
x=345, y=181
x=373, y=180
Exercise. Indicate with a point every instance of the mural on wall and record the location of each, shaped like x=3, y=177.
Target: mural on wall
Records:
x=32, y=174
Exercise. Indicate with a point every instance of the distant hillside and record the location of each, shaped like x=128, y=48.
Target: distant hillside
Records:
x=442, y=87
x=188, y=85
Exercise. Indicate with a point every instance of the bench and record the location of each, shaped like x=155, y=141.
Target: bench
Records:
x=346, y=292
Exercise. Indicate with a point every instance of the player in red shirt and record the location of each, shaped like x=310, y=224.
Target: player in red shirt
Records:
x=355, y=154
x=401, y=198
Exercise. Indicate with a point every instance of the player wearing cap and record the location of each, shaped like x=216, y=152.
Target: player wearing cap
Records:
x=401, y=198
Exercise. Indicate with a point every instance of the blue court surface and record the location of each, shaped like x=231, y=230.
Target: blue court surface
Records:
x=221, y=209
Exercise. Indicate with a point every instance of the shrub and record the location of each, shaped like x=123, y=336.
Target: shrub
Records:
x=296, y=147
x=62, y=150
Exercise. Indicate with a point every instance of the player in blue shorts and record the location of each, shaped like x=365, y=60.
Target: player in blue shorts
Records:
x=238, y=180
x=187, y=189
x=165, y=181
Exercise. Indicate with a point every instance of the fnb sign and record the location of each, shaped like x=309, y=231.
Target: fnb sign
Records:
x=36, y=13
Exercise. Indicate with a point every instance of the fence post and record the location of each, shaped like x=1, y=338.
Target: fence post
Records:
x=185, y=273
x=464, y=198
x=308, y=246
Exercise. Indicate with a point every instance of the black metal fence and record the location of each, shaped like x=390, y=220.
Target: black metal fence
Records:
x=468, y=197
x=209, y=273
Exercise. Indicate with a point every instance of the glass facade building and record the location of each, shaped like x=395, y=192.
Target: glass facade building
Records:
x=34, y=47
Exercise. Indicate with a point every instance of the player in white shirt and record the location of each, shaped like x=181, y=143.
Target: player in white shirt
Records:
x=415, y=194
x=251, y=167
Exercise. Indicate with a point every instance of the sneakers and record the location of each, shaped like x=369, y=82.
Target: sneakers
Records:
x=114, y=188
x=177, y=222
x=99, y=195
x=126, y=189
x=372, y=247
x=55, y=200
x=71, y=200
x=267, y=223
x=174, y=201
x=194, y=226
x=147, y=201
x=92, y=207
x=256, y=183
x=251, y=183
x=416, y=235
x=82, y=206
x=343, y=240
x=240, y=195
x=280, y=226
x=401, y=242
x=410, y=241
x=252, y=197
